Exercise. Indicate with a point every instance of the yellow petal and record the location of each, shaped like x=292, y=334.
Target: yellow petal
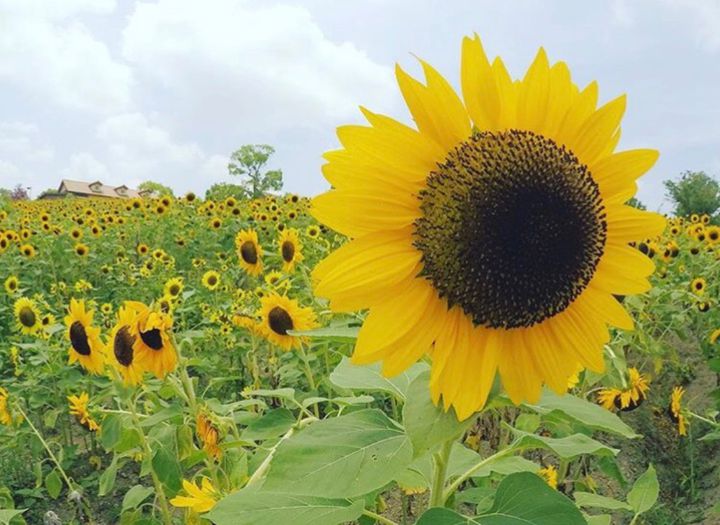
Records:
x=479, y=88
x=599, y=130
x=617, y=172
x=533, y=95
x=627, y=224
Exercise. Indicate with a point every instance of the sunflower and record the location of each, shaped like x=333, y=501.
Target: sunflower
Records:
x=174, y=287
x=154, y=347
x=85, y=344
x=208, y=435
x=312, y=231
x=211, y=279
x=494, y=237
x=79, y=409
x=200, y=498
x=698, y=285
x=81, y=249
x=290, y=249
x=249, y=251
x=627, y=398
x=122, y=346
x=550, y=475
x=675, y=410
x=5, y=416
x=142, y=249
x=28, y=250
x=275, y=279
x=12, y=284
x=279, y=314
x=714, y=336
x=607, y=397
x=27, y=316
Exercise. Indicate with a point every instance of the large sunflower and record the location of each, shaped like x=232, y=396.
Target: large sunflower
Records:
x=290, y=249
x=249, y=251
x=154, y=346
x=494, y=237
x=122, y=346
x=27, y=316
x=280, y=314
x=85, y=344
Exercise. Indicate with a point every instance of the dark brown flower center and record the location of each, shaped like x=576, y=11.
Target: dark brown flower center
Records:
x=288, y=251
x=248, y=252
x=123, y=346
x=280, y=321
x=152, y=338
x=27, y=317
x=79, y=338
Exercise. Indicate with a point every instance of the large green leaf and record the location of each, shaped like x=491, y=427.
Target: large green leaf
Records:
x=342, y=457
x=590, y=414
x=440, y=516
x=249, y=507
x=566, y=447
x=135, y=496
x=370, y=378
x=8, y=514
x=272, y=424
x=426, y=424
x=588, y=499
x=644, y=492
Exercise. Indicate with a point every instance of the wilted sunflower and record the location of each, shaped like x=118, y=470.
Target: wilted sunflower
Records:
x=675, y=410
x=79, y=409
x=207, y=433
x=27, y=316
x=494, y=237
x=628, y=398
x=249, y=251
x=5, y=416
x=280, y=314
x=290, y=249
x=154, y=347
x=121, y=346
x=12, y=284
x=550, y=475
x=86, y=347
x=211, y=279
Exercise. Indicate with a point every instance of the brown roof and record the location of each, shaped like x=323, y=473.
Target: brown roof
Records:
x=97, y=189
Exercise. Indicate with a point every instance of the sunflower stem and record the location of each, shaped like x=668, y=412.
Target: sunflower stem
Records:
x=440, y=464
x=472, y=470
x=378, y=518
x=310, y=377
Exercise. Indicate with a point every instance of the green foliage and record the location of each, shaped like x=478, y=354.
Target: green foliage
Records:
x=155, y=189
x=695, y=192
x=248, y=162
x=222, y=190
x=636, y=203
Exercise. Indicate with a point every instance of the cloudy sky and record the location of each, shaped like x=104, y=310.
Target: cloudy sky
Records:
x=126, y=91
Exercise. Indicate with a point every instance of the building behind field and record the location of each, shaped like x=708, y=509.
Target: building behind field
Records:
x=77, y=188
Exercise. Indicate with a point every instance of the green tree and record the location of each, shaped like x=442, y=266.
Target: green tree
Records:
x=695, y=192
x=223, y=190
x=248, y=162
x=155, y=189
x=636, y=203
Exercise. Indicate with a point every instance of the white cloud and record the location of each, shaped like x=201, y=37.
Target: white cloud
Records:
x=19, y=140
x=47, y=51
x=255, y=65
x=705, y=16
x=84, y=166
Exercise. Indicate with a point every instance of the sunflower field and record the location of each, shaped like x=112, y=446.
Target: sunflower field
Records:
x=471, y=327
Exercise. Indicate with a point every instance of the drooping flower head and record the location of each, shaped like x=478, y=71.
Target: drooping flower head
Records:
x=86, y=347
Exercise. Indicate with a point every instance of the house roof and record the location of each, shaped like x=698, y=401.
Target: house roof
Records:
x=97, y=189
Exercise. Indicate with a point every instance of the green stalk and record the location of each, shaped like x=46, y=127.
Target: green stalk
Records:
x=440, y=463
x=472, y=470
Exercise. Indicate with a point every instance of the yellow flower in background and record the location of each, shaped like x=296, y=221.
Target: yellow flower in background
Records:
x=698, y=285
x=442, y=252
x=199, y=498
x=290, y=249
x=638, y=386
x=211, y=280
x=675, y=410
x=550, y=475
x=607, y=397
x=12, y=284
x=249, y=251
x=27, y=316
x=79, y=409
x=174, y=287
x=281, y=314
x=86, y=347
x=5, y=416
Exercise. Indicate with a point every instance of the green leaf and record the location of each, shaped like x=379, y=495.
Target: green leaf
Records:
x=53, y=484
x=440, y=516
x=428, y=425
x=370, y=378
x=135, y=496
x=566, y=447
x=166, y=466
x=644, y=492
x=590, y=414
x=173, y=411
x=272, y=424
x=344, y=333
x=107, y=478
x=346, y=456
x=600, y=519
x=8, y=514
x=526, y=499
x=112, y=427
x=281, y=393
x=588, y=499
x=252, y=507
